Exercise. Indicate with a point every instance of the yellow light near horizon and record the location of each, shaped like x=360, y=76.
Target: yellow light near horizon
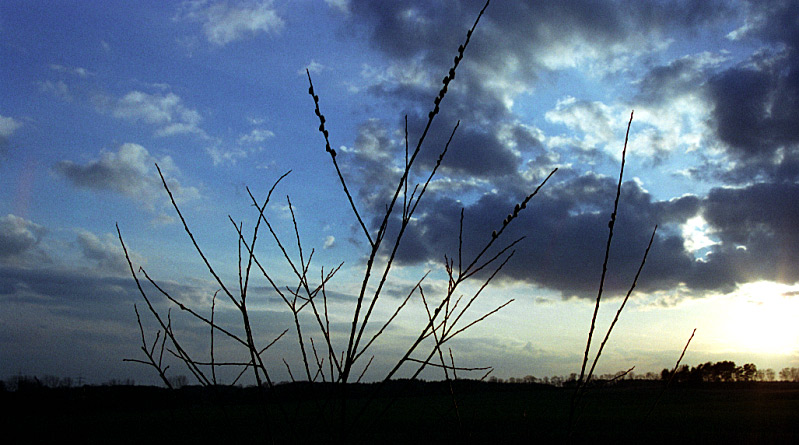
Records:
x=762, y=319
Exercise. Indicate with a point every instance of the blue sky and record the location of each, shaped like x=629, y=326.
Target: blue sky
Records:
x=95, y=93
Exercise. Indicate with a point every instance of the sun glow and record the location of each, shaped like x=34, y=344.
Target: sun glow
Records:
x=763, y=318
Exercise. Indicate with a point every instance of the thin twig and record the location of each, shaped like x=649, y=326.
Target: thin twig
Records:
x=151, y=362
x=611, y=224
x=621, y=307
x=332, y=153
x=213, y=307
x=671, y=377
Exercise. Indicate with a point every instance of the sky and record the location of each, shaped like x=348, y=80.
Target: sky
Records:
x=95, y=94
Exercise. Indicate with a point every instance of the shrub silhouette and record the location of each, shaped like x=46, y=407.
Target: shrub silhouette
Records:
x=345, y=360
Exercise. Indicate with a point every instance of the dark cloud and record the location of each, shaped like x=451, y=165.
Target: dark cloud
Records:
x=376, y=161
x=523, y=31
x=372, y=164
x=756, y=110
x=106, y=252
x=18, y=235
x=124, y=172
x=51, y=315
x=754, y=107
x=686, y=75
x=474, y=152
x=64, y=287
x=757, y=228
x=756, y=103
x=566, y=230
x=130, y=172
x=515, y=42
x=513, y=45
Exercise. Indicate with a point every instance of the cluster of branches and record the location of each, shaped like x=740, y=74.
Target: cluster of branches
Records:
x=326, y=357
x=323, y=357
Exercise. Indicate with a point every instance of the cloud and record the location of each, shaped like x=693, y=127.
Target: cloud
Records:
x=77, y=269
x=58, y=89
x=753, y=229
x=371, y=160
x=757, y=229
x=246, y=144
x=223, y=153
x=255, y=136
x=18, y=235
x=683, y=76
x=756, y=102
x=518, y=40
x=313, y=67
x=8, y=126
x=75, y=71
x=224, y=23
x=130, y=172
x=475, y=151
x=474, y=159
x=565, y=229
x=593, y=119
x=341, y=5
x=514, y=47
x=165, y=111
x=701, y=103
x=106, y=252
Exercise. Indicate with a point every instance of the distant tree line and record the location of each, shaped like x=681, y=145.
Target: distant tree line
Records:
x=728, y=371
x=723, y=371
x=571, y=379
x=28, y=382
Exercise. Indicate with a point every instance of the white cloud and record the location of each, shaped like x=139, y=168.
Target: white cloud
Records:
x=224, y=23
x=166, y=111
x=314, y=67
x=255, y=136
x=341, y=5
x=593, y=119
x=8, y=126
x=330, y=241
x=152, y=109
x=230, y=155
x=179, y=128
x=697, y=235
x=75, y=71
x=58, y=89
x=412, y=74
x=601, y=58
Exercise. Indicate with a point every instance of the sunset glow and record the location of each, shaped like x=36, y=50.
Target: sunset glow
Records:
x=764, y=319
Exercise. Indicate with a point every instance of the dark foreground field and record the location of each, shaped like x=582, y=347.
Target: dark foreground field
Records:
x=417, y=411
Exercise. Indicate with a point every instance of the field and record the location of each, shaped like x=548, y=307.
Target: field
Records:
x=406, y=412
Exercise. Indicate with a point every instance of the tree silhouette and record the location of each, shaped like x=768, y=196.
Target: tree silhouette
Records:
x=790, y=374
x=725, y=371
